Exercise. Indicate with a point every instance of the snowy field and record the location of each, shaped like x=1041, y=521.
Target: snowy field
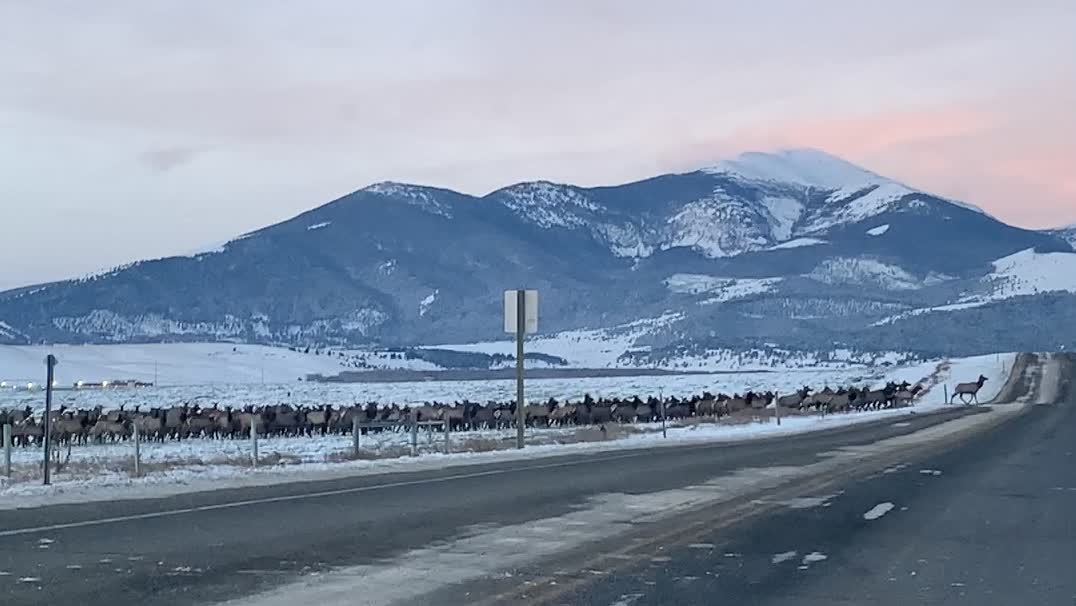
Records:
x=22, y=368
x=205, y=464
x=345, y=394
x=163, y=363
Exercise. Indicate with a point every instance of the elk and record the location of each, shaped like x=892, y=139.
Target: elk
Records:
x=964, y=390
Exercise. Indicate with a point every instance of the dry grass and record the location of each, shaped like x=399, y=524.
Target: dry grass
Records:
x=481, y=445
x=613, y=431
x=391, y=452
x=77, y=469
x=86, y=469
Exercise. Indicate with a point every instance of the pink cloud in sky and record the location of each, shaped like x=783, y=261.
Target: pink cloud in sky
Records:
x=965, y=151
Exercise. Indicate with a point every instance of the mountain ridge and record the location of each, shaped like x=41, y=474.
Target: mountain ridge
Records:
x=397, y=263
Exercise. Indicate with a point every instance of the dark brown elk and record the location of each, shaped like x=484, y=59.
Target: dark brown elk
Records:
x=105, y=430
x=564, y=415
x=600, y=413
x=968, y=392
x=905, y=397
x=677, y=409
x=707, y=407
x=794, y=400
x=646, y=412
x=317, y=421
x=735, y=404
x=150, y=427
x=839, y=402
x=537, y=415
x=199, y=423
x=69, y=427
x=26, y=432
x=622, y=412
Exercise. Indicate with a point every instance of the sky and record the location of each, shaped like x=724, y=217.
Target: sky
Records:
x=132, y=129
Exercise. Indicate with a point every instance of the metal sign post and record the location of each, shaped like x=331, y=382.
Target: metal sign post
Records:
x=356, y=433
x=137, y=449
x=253, y=440
x=50, y=362
x=7, y=450
x=664, y=428
x=520, y=317
x=521, y=330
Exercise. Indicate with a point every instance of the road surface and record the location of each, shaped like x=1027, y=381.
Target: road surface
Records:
x=989, y=522
x=652, y=526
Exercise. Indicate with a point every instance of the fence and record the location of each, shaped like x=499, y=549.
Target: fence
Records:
x=359, y=428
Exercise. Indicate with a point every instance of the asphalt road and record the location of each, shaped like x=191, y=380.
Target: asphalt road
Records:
x=207, y=547
x=991, y=521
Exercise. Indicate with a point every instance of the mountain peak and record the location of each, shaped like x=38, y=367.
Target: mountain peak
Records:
x=391, y=188
x=424, y=197
x=804, y=167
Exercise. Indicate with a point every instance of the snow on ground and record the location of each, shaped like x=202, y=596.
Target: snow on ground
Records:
x=315, y=393
x=738, y=289
x=1030, y=273
x=170, y=363
x=317, y=226
x=878, y=231
x=874, y=202
x=803, y=167
x=716, y=226
x=584, y=348
x=726, y=289
x=96, y=471
x=785, y=212
x=1024, y=273
x=424, y=304
x=850, y=270
x=8, y=330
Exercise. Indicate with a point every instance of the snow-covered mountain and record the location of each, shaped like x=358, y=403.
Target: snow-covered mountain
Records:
x=796, y=248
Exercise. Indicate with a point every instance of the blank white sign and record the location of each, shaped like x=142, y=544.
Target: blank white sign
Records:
x=530, y=308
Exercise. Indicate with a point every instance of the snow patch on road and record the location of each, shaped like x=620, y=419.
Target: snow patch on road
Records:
x=783, y=557
x=807, y=502
x=878, y=511
x=814, y=556
x=627, y=599
x=798, y=243
x=422, y=571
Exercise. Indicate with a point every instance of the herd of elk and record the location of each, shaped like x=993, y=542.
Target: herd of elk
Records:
x=96, y=425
